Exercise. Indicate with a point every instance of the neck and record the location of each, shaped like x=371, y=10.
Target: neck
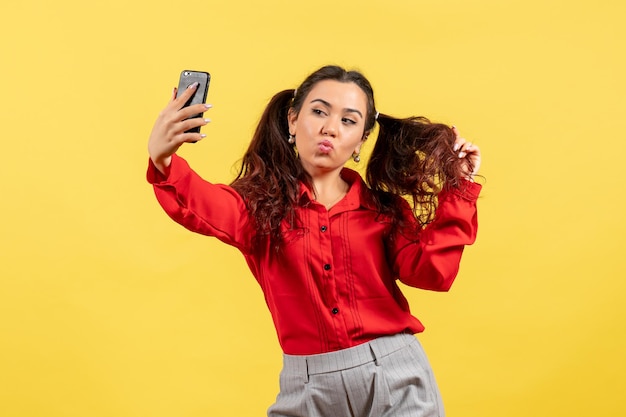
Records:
x=329, y=188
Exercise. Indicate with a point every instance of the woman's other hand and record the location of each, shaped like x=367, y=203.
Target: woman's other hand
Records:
x=470, y=152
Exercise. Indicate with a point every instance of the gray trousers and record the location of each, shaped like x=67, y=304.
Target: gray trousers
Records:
x=389, y=376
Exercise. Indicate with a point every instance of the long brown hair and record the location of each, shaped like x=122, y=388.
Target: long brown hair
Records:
x=413, y=158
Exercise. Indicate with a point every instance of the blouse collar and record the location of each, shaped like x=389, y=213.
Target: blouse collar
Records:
x=359, y=194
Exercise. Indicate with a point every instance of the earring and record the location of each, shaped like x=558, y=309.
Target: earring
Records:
x=292, y=139
x=356, y=157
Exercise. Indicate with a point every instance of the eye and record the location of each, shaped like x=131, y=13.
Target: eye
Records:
x=348, y=121
x=319, y=112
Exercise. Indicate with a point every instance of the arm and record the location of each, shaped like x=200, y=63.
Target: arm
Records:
x=430, y=260
x=200, y=206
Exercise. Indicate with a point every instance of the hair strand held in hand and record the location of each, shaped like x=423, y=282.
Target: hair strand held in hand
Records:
x=413, y=158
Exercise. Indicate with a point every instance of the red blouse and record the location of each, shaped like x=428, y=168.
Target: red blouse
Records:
x=333, y=283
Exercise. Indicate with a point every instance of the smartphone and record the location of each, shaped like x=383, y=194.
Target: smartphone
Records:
x=188, y=77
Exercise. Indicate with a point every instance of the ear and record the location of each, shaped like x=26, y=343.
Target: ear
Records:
x=292, y=119
x=363, y=139
x=357, y=149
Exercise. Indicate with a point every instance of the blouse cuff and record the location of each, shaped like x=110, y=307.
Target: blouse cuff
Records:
x=154, y=176
x=467, y=190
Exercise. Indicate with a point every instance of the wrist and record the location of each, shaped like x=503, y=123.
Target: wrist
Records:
x=162, y=164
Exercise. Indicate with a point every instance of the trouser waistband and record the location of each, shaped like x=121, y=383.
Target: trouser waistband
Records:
x=371, y=351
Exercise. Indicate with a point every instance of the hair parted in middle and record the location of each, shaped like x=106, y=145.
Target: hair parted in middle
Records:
x=413, y=159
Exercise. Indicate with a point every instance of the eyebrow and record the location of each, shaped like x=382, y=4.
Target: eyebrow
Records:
x=327, y=104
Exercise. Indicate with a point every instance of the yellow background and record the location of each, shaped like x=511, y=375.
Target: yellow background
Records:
x=108, y=308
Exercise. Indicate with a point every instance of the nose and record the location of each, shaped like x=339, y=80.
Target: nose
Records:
x=329, y=129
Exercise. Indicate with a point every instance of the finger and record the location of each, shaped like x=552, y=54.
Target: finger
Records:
x=459, y=143
x=457, y=135
x=462, y=153
x=191, y=137
x=192, y=123
x=462, y=146
x=469, y=148
x=184, y=96
x=190, y=111
x=472, y=148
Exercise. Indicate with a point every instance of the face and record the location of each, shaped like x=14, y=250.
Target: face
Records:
x=330, y=125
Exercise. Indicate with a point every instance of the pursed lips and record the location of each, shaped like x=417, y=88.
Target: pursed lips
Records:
x=326, y=146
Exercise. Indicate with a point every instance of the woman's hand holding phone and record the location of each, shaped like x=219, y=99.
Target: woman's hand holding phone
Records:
x=174, y=126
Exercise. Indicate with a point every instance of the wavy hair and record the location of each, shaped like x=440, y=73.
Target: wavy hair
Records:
x=412, y=159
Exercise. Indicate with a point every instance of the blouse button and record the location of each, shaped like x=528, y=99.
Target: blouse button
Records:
x=327, y=267
x=323, y=228
x=335, y=310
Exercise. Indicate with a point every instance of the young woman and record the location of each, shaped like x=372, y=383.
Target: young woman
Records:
x=327, y=247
